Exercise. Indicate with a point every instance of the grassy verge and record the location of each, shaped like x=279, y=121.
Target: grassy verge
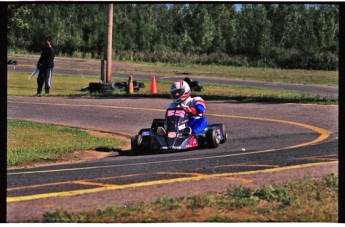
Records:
x=317, y=77
x=301, y=201
x=70, y=85
x=31, y=143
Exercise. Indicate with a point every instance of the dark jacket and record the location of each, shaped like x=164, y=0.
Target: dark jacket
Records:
x=47, y=58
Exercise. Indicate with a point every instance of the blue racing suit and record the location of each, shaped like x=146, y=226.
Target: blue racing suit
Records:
x=195, y=107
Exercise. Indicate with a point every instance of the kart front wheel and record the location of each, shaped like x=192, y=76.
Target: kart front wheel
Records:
x=212, y=138
x=135, y=143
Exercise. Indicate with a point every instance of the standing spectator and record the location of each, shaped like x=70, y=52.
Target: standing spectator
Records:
x=45, y=64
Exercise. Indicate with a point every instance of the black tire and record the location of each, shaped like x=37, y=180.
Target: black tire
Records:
x=189, y=82
x=212, y=139
x=135, y=85
x=225, y=135
x=136, y=144
x=11, y=62
x=119, y=85
x=195, y=83
x=101, y=88
x=114, y=85
x=199, y=88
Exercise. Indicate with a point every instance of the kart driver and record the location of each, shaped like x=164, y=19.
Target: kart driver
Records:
x=194, y=107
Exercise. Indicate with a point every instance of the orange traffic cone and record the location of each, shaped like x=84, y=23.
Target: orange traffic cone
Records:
x=130, y=85
x=153, y=89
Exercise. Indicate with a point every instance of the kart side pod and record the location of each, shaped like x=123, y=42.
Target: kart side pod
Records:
x=172, y=133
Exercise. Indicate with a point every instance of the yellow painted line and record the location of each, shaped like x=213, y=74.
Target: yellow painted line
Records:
x=169, y=161
x=329, y=155
x=39, y=185
x=147, y=163
x=324, y=134
x=320, y=157
x=251, y=165
x=83, y=182
x=88, y=105
x=326, y=159
x=301, y=166
x=237, y=165
x=69, y=182
x=87, y=181
x=263, y=165
x=317, y=158
x=160, y=182
x=102, y=167
x=177, y=173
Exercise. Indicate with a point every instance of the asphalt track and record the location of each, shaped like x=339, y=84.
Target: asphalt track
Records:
x=263, y=138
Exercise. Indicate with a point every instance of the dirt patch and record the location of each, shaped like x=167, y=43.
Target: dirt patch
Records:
x=88, y=155
x=75, y=157
x=109, y=135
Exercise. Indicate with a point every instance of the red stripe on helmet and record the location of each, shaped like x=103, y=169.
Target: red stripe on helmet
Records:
x=186, y=95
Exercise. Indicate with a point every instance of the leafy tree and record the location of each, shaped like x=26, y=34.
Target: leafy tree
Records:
x=125, y=27
x=145, y=26
x=284, y=35
x=203, y=28
x=18, y=26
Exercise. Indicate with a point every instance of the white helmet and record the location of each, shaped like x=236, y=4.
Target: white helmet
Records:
x=180, y=91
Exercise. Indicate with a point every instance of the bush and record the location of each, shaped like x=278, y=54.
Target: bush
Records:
x=294, y=59
x=278, y=58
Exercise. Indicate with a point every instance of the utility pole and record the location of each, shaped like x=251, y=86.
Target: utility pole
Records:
x=109, y=43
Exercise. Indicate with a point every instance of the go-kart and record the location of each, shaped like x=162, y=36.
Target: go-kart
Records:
x=173, y=133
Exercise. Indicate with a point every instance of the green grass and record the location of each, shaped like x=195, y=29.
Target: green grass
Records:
x=31, y=143
x=316, y=77
x=70, y=85
x=300, y=201
x=62, y=85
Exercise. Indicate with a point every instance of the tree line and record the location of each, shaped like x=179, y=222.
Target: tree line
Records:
x=266, y=35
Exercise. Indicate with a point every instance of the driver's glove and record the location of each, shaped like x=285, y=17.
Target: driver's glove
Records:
x=190, y=110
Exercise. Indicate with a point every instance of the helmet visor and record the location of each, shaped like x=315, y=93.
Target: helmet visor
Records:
x=176, y=94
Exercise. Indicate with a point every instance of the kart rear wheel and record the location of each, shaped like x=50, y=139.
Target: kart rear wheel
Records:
x=225, y=135
x=212, y=138
x=136, y=143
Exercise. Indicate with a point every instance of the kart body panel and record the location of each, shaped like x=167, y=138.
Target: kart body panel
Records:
x=173, y=133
